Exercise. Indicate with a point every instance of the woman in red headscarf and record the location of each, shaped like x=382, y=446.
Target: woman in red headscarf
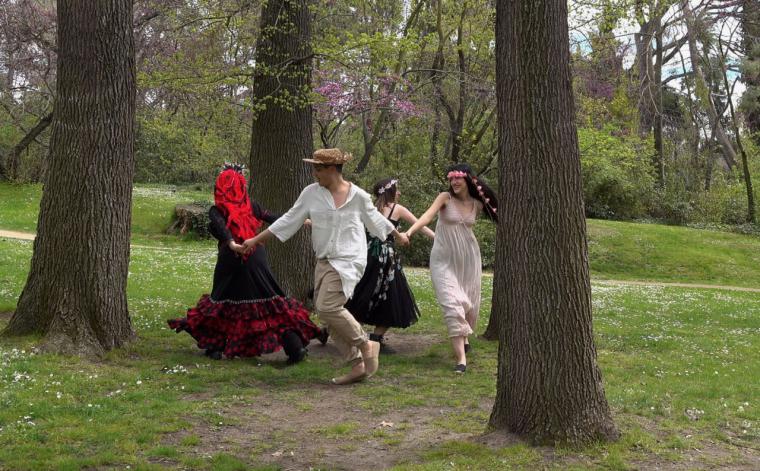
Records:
x=247, y=313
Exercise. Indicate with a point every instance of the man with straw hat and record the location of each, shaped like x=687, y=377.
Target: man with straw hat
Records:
x=339, y=212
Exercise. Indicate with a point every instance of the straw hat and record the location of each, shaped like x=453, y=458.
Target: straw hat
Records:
x=329, y=157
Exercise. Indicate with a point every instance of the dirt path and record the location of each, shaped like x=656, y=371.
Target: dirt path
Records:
x=30, y=236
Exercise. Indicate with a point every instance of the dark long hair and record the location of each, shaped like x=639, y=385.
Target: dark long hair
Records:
x=478, y=189
x=385, y=192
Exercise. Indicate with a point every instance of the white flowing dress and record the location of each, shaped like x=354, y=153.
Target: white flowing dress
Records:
x=455, y=267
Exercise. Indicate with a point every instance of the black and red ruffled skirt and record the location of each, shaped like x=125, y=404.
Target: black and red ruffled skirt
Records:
x=246, y=328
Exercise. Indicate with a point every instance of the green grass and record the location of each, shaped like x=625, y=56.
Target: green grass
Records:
x=680, y=367
x=632, y=251
x=617, y=250
x=152, y=208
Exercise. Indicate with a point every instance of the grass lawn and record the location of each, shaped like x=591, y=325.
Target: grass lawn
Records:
x=681, y=372
x=617, y=250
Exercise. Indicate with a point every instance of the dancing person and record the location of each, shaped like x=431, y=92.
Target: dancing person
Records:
x=339, y=211
x=247, y=314
x=455, y=264
x=382, y=297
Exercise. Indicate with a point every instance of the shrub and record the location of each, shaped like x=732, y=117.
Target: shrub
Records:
x=617, y=180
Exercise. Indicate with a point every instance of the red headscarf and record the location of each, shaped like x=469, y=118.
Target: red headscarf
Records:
x=231, y=197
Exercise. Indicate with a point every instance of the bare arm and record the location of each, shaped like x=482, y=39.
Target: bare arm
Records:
x=260, y=239
x=426, y=218
x=409, y=217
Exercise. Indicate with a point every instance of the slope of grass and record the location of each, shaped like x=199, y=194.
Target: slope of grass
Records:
x=632, y=251
x=617, y=250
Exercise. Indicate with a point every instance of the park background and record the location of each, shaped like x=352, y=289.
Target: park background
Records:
x=667, y=118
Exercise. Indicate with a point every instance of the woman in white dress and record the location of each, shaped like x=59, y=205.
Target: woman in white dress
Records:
x=455, y=264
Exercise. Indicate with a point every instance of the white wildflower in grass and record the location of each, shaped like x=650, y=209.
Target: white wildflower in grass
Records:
x=178, y=369
x=21, y=377
x=694, y=414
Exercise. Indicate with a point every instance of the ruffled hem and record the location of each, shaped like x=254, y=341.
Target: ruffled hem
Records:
x=246, y=329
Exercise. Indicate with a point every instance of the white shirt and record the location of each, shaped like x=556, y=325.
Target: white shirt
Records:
x=337, y=234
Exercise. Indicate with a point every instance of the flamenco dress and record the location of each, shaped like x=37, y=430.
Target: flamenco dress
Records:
x=247, y=313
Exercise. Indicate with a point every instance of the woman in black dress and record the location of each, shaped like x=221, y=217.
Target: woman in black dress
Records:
x=247, y=314
x=382, y=297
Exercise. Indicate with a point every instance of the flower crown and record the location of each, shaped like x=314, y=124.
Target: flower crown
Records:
x=461, y=174
x=388, y=186
x=239, y=168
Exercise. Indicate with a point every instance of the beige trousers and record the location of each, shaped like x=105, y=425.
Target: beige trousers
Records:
x=329, y=299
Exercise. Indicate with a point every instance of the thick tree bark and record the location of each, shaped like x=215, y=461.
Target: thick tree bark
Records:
x=703, y=90
x=282, y=132
x=76, y=290
x=549, y=386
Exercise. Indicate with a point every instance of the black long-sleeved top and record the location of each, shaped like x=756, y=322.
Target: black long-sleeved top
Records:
x=218, y=223
x=235, y=279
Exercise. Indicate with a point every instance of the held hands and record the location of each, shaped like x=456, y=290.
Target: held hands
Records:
x=237, y=248
x=250, y=244
x=402, y=238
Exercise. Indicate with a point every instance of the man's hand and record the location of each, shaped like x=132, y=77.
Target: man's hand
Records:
x=250, y=244
x=402, y=239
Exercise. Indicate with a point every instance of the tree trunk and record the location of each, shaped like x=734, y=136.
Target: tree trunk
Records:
x=380, y=124
x=659, y=163
x=76, y=290
x=282, y=132
x=498, y=298
x=750, y=21
x=549, y=386
x=10, y=169
x=751, y=218
x=646, y=100
x=703, y=90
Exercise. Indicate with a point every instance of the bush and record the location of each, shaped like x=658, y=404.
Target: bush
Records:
x=672, y=205
x=617, y=180
x=725, y=203
x=178, y=150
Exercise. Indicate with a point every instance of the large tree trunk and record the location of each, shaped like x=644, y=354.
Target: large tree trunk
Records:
x=282, y=133
x=549, y=386
x=76, y=291
x=703, y=90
